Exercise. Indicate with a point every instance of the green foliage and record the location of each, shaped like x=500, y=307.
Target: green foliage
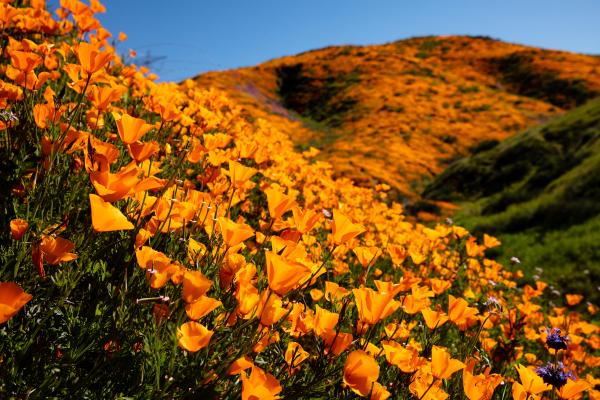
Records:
x=518, y=71
x=324, y=100
x=539, y=192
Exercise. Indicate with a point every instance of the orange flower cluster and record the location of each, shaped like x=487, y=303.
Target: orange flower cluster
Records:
x=327, y=278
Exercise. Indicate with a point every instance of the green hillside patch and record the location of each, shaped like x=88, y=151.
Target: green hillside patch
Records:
x=323, y=100
x=539, y=192
x=519, y=73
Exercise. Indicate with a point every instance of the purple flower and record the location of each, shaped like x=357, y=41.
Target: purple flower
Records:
x=555, y=340
x=554, y=374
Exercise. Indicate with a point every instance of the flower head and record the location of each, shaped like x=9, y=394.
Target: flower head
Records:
x=555, y=340
x=554, y=375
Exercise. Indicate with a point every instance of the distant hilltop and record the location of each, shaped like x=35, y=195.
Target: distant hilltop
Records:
x=401, y=112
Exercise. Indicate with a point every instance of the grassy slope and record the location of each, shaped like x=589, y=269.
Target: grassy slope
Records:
x=539, y=191
x=400, y=112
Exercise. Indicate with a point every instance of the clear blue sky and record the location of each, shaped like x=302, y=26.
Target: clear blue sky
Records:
x=203, y=35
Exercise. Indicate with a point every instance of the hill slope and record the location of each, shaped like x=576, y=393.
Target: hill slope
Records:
x=399, y=113
x=539, y=191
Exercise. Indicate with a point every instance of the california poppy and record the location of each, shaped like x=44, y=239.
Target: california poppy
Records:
x=460, y=313
x=195, y=285
x=91, y=58
x=343, y=229
x=573, y=389
x=479, y=387
x=405, y=358
x=434, y=319
x=240, y=174
x=234, y=233
x=201, y=307
x=360, y=372
x=304, y=220
x=240, y=365
x=442, y=366
x=531, y=384
x=12, y=299
x=284, y=275
x=278, y=203
x=193, y=336
x=324, y=321
x=107, y=218
x=259, y=385
x=374, y=306
x=294, y=355
x=51, y=250
x=18, y=227
x=131, y=129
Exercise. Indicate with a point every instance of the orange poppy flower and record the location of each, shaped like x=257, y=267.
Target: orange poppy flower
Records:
x=316, y=294
x=91, y=58
x=193, y=336
x=531, y=384
x=25, y=61
x=460, y=313
x=337, y=342
x=140, y=152
x=360, y=372
x=479, y=387
x=304, y=220
x=343, y=229
x=439, y=286
x=434, y=319
x=195, y=285
x=284, y=275
x=112, y=187
x=240, y=365
x=405, y=358
x=334, y=292
x=45, y=113
x=12, y=299
x=106, y=218
x=573, y=389
x=201, y=307
x=278, y=203
x=379, y=392
x=53, y=251
x=442, y=366
x=240, y=174
x=490, y=241
x=18, y=227
x=324, y=321
x=270, y=308
x=294, y=355
x=374, y=306
x=103, y=96
x=573, y=299
x=149, y=259
x=131, y=129
x=425, y=387
x=367, y=255
x=233, y=233
x=259, y=385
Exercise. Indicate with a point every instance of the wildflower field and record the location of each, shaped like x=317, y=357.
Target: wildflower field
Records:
x=161, y=242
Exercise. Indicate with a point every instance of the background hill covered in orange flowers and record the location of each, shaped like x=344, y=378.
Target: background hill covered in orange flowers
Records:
x=400, y=113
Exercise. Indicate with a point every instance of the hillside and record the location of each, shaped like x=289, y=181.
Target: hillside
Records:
x=161, y=242
x=399, y=113
x=539, y=191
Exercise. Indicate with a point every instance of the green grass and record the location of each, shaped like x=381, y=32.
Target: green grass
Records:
x=539, y=192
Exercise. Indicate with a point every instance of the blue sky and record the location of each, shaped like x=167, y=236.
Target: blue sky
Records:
x=201, y=35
